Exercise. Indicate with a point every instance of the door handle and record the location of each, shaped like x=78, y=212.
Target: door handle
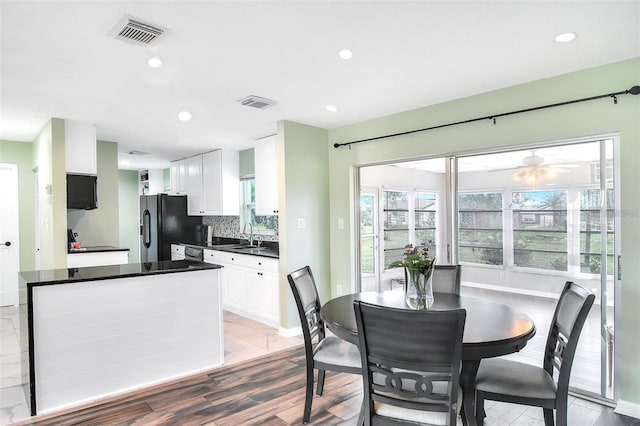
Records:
x=7, y=243
x=146, y=222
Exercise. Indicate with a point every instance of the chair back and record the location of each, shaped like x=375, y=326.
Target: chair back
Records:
x=307, y=300
x=411, y=360
x=446, y=279
x=570, y=315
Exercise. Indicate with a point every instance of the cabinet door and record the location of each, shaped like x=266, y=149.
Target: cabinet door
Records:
x=212, y=183
x=266, y=171
x=194, y=185
x=179, y=176
x=235, y=286
x=268, y=284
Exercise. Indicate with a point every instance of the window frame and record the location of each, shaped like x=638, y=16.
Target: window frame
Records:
x=246, y=205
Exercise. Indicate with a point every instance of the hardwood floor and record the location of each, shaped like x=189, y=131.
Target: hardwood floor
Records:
x=270, y=391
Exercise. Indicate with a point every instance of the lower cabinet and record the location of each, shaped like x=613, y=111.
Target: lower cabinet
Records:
x=249, y=285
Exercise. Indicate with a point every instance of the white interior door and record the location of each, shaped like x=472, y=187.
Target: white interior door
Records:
x=9, y=235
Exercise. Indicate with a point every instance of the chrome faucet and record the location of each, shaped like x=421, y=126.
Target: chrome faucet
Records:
x=251, y=233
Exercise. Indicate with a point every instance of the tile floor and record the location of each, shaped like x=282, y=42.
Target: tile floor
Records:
x=243, y=339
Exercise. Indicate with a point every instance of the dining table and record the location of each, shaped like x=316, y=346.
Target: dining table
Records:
x=491, y=329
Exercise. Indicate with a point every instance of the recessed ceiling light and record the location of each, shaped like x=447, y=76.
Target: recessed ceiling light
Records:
x=345, y=54
x=565, y=37
x=331, y=108
x=155, y=62
x=184, y=116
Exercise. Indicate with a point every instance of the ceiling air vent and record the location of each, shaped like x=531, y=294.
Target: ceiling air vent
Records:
x=256, y=102
x=134, y=31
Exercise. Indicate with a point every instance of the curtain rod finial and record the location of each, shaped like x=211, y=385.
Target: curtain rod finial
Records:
x=336, y=145
x=635, y=90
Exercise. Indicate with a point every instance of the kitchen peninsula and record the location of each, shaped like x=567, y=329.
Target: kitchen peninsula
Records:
x=89, y=333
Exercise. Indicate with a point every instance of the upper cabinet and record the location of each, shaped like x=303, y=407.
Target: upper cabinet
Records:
x=179, y=176
x=266, y=172
x=212, y=183
x=80, y=148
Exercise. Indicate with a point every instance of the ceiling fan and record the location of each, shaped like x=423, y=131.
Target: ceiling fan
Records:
x=534, y=169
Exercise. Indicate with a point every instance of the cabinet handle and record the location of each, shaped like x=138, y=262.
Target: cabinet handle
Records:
x=259, y=273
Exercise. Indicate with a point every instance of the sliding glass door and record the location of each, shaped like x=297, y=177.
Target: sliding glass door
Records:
x=521, y=223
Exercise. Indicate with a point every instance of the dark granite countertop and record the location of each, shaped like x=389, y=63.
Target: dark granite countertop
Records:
x=97, y=249
x=94, y=273
x=233, y=245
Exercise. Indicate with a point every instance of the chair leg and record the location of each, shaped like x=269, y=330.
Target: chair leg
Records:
x=320, y=387
x=308, y=395
x=548, y=417
x=480, y=413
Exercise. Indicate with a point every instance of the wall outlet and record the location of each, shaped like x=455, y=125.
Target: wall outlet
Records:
x=339, y=289
x=340, y=223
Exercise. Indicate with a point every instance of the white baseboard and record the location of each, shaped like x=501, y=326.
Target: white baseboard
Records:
x=290, y=332
x=627, y=408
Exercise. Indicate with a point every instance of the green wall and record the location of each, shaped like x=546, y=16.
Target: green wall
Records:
x=98, y=227
x=20, y=153
x=49, y=160
x=128, y=204
x=303, y=163
x=577, y=120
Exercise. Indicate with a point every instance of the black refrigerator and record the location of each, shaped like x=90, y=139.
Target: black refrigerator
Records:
x=164, y=220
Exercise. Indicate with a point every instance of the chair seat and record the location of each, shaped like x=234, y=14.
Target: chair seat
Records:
x=416, y=416
x=335, y=351
x=515, y=379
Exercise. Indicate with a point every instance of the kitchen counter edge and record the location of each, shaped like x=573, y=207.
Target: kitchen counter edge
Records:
x=98, y=273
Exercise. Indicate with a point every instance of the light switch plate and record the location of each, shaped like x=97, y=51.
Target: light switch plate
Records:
x=340, y=223
x=302, y=223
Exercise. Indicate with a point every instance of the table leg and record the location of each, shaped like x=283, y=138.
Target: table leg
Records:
x=467, y=380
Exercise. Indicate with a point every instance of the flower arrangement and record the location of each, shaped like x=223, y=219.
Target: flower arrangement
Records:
x=418, y=268
x=416, y=260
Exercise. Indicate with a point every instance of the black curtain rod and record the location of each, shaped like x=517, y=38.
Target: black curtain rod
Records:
x=635, y=90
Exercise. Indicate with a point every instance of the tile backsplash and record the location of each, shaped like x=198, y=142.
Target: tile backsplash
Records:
x=229, y=227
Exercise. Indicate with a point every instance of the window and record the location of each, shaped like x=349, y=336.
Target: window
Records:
x=540, y=229
x=425, y=220
x=591, y=231
x=396, y=224
x=261, y=224
x=408, y=217
x=480, y=232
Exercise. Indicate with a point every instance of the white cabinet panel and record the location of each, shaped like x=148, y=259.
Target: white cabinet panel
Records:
x=80, y=147
x=249, y=285
x=213, y=184
x=177, y=252
x=194, y=185
x=179, y=176
x=266, y=171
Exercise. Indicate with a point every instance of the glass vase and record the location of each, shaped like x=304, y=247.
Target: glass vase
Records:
x=418, y=293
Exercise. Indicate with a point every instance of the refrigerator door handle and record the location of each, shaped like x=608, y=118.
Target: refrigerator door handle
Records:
x=146, y=229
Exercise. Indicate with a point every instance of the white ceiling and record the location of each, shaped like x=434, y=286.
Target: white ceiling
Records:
x=57, y=60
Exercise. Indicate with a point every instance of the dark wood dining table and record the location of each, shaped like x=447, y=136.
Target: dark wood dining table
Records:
x=491, y=329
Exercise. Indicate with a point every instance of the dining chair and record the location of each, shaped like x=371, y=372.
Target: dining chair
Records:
x=321, y=352
x=446, y=279
x=519, y=383
x=411, y=364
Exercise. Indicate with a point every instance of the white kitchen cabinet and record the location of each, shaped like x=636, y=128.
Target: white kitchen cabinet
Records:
x=177, y=252
x=249, y=285
x=266, y=175
x=80, y=147
x=179, y=176
x=213, y=184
